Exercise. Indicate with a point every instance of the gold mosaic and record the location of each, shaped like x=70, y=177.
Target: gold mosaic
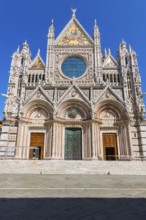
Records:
x=37, y=64
x=74, y=36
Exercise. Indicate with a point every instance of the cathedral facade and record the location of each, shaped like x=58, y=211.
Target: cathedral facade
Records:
x=79, y=105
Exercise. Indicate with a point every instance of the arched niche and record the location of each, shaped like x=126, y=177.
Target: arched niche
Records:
x=110, y=109
x=73, y=109
x=37, y=109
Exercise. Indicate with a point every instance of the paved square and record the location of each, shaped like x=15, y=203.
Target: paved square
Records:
x=72, y=197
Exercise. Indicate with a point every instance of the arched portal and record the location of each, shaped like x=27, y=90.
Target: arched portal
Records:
x=72, y=131
x=113, y=137
x=35, y=132
x=109, y=137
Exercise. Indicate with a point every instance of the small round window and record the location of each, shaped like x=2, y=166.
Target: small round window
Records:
x=73, y=67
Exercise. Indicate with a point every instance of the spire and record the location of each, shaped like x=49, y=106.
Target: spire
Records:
x=96, y=32
x=18, y=49
x=123, y=40
x=25, y=48
x=130, y=49
x=97, y=49
x=73, y=12
x=51, y=30
x=123, y=44
x=38, y=54
x=25, y=44
x=95, y=23
x=109, y=52
x=105, y=53
x=52, y=23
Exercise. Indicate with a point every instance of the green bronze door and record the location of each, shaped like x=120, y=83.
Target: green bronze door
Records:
x=73, y=144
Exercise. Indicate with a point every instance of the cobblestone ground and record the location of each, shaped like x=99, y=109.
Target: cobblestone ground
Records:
x=67, y=197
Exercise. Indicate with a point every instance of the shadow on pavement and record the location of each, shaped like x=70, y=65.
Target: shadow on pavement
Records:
x=72, y=208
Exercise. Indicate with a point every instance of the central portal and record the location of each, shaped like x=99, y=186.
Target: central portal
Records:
x=73, y=144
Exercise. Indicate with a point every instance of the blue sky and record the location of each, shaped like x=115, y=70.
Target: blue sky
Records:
x=30, y=19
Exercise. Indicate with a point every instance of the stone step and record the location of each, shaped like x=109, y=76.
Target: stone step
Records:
x=72, y=167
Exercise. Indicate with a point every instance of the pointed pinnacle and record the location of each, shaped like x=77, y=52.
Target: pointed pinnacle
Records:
x=109, y=51
x=38, y=52
x=95, y=22
x=123, y=41
x=130, y=49
x=18, y=49
x=52, y=22
x=105, y=52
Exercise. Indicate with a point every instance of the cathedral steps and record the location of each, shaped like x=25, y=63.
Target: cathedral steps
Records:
x=72, y=167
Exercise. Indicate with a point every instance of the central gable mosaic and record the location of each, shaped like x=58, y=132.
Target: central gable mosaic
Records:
x=73, y=36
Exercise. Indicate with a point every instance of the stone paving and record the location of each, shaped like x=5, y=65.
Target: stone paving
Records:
x=85, y=197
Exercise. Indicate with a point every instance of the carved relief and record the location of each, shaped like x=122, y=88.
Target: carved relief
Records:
x=73, y=93
x=74, y=50
x=38, y=94
x=78, y=82
x=39, y=114
x=108, y=118
x=107, y=114
x=73, y=113
x=108, y=95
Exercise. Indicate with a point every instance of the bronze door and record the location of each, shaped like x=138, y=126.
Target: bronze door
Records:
x=110, y=146
x=37, y=140
x=73, y=144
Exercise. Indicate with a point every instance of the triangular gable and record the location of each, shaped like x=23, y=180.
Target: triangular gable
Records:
x=38, y=93
x=110, y=62
x=108, y=93
x=37, y=64
x=73, y=92
x=74, y=34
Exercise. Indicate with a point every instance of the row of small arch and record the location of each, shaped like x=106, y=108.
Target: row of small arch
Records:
x=32, y=78
x=113, y=78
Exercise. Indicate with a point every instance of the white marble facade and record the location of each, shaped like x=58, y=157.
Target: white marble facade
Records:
x=105, y=99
